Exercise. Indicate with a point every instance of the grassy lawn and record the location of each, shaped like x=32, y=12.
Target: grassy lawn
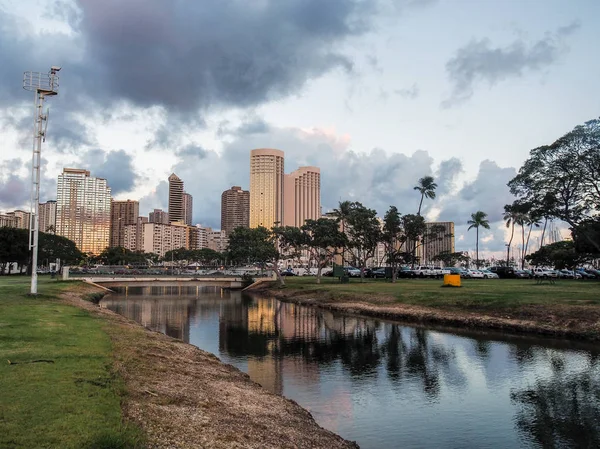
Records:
x=475, y=293
x=73, y=402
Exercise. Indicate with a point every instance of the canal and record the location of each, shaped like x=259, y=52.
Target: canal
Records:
x=385, y=384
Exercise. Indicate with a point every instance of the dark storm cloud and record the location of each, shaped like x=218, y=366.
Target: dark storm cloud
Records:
x=15, y=188
x=192, y=152
x=191, y=55
x=114, y=166
x=479, y=61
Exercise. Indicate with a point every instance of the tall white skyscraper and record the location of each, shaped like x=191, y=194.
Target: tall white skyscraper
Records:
x=83, y=210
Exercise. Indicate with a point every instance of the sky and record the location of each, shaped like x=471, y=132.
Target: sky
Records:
x=376, y=93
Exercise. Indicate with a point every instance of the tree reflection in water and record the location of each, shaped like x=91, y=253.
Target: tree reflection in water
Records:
x=564, y=409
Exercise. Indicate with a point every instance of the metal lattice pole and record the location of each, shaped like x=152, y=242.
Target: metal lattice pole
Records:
x=42, y=85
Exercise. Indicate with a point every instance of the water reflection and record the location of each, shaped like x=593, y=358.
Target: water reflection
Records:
x=387, y=385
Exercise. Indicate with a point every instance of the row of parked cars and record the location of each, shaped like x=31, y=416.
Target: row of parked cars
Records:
x=484, y=273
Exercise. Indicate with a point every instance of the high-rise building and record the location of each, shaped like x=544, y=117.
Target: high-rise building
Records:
x=235, y=209
x=176, y=208
x=22, y=218
x=199, y=237
x=161, y=238
x=134, y=235
x=266, y=187
x=188, y=204
x=302, y=196
x=47, y=220
x=439, y=238
x=122, y=213
x=83, y=210
x=8, y=220
x=159, y=216
x=217, y=240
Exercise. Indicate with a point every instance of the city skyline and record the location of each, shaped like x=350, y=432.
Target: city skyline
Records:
x=480, y=91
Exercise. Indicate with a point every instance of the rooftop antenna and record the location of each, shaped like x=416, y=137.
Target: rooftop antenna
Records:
x=43, y=85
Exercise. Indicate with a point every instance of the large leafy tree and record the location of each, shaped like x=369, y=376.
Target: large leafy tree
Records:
x=451, y=259
x=364, y=233
x=255, y=246
x=426, y=187
x=393, y=238
x=564, y=178
x=478, y=219
x=558, y=255
x=54, y=247
x=118, y=255
x=14, y=247
x=323, y=238
x=342, y=212
x=414, y=229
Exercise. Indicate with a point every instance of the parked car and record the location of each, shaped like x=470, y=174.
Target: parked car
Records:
x=378, y=273
x=367, y=272
x=504, y=272
x=584, y=274
x=522, y=274
x=353, y=272
x=475, y=274
x=544, y=273
x=593, y=272
x=422, y=271
x=566, y=274
x=406, y=272
x=487, y=274
x=288, y=273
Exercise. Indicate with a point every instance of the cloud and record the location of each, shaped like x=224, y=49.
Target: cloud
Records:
x=487, y=192
x=410, y=93
x=114, y=166
x=376, y=178
x=189, y=56
x=480, y=62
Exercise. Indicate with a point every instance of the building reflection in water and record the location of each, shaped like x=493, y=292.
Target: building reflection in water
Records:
x=553, y=394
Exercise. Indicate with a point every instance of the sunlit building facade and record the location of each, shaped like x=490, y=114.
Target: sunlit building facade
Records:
x=188, y=206
x=438, y=242
x=266, y=187
x=122, y=213
x=302, y=196
x=47, y=220
x=83, y=210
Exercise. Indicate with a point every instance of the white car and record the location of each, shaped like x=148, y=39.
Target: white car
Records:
x=475, y=274
x=487, y=274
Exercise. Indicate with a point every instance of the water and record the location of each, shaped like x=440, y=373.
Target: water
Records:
x=385, y=384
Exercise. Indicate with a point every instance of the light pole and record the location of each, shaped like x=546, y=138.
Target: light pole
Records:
x=43, y=85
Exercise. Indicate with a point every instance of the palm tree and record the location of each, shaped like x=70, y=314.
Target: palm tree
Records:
x=478, y=219
x=342, y=213
x=510, y=217
x=427, y=188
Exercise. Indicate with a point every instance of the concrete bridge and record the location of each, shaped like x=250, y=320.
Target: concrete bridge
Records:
x=169, y=281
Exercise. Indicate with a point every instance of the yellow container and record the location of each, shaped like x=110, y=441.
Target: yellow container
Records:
x=452, y=280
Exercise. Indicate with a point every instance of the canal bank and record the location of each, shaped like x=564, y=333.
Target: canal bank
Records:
x=548, y=310
x=183, y=397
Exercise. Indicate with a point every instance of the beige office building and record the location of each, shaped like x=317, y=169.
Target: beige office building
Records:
x=47, y=220
x=8, y=220
x=122, y=213
x=160, y=238
x=266, y=187
x=235, y=209
x=133, y=237
x=176, y=205
x=22, y=218
x=159, y=216
x=217, y=240
x=83, y=210
x=302, y=196
x=443, y=241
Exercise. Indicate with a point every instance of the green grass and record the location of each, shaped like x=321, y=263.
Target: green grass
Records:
x=474, y=293
x=74, y=402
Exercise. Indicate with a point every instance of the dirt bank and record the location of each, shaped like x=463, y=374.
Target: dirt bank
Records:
x=183, y=397
x=577, y=322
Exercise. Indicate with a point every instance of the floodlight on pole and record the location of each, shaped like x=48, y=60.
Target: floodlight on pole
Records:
x=43, y=85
